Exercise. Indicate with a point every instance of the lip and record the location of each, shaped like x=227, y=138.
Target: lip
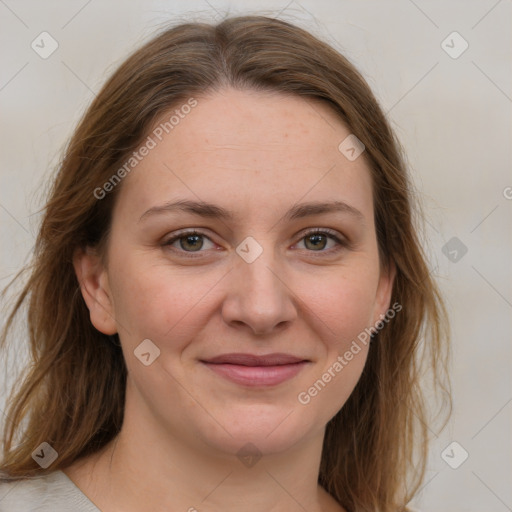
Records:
x=253, y=370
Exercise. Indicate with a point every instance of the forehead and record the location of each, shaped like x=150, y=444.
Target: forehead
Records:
x=248, y=148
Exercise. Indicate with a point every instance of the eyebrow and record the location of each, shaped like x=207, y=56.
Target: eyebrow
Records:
x=209, y=210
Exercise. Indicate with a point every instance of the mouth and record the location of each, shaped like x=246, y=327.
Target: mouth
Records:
x=252, y=370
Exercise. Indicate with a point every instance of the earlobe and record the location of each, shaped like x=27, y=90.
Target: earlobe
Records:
x=94, y=285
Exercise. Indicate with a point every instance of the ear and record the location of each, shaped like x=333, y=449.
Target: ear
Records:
x=384, y=291
x=94, y=285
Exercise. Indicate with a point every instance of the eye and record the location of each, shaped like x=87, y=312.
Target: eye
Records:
x=187, y=242
x=316, y=240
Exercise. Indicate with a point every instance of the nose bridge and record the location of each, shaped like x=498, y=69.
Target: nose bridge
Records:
x=260, y=277
x=258, y=296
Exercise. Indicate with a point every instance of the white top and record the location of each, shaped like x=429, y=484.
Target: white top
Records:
x=54, y=492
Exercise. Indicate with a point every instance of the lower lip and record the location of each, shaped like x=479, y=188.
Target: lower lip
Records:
x=257, y=375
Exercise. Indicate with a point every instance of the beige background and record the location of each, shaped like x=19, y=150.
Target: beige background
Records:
x=453, y=116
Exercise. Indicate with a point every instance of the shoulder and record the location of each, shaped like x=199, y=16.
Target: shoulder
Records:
x=53, y=492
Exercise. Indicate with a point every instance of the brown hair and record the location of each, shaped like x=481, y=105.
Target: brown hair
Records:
x=73, y=392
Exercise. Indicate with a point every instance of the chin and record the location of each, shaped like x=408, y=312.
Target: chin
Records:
x=267, y=429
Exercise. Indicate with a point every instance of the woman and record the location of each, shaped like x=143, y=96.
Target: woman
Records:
x=229, y=307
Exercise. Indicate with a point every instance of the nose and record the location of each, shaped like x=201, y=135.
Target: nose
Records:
x=259, y=298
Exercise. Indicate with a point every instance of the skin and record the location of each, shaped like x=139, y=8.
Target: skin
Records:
x=256, y=154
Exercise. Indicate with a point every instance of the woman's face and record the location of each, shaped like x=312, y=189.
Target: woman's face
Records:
x=254, y=282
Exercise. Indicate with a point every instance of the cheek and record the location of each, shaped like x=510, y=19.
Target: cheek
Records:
x=167, y=303
x=344, y=307
x=152, y=301
x=342, y=301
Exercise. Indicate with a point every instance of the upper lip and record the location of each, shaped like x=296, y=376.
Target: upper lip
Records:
x=254, y=360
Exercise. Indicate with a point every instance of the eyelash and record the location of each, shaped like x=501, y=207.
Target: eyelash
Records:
x=317, y=231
